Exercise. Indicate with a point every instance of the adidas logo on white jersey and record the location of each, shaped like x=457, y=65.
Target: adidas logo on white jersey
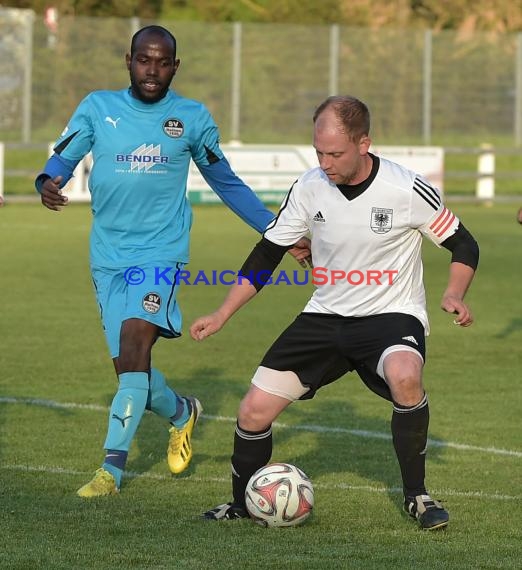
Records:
x=411, y=339
x=319, y=217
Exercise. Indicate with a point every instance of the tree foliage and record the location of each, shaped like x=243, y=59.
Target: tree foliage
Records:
x=463, y=15
x=102, y=8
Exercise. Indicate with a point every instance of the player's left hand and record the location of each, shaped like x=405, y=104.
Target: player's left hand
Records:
x=302, y=251
x=456, y=306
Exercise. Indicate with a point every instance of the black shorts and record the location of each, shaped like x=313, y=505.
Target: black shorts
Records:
x=321, y=348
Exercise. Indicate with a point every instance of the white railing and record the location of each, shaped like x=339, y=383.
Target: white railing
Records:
x=272, y=169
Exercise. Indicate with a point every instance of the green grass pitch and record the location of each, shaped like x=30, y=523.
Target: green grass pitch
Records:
x=56, y=383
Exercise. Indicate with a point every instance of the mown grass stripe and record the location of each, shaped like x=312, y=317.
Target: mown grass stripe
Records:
x=310, y=428
x=56, y=470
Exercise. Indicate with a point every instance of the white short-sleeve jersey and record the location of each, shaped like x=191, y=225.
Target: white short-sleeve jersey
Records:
x=367, y=250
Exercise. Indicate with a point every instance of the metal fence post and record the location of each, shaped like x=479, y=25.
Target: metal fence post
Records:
x=518, y=91
x=2, y=169
x=333, y=87
x=235, y=111
x=427, y=71
x=134, y=25
x=28, y=77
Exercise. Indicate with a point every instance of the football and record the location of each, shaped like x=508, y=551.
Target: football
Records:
x=279, y=495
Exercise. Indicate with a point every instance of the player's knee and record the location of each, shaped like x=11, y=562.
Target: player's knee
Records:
x=252, y=416
x=134, y=358
x=406, y=390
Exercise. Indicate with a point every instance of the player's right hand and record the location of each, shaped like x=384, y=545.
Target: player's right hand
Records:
x=52, y=196
x=206, y=326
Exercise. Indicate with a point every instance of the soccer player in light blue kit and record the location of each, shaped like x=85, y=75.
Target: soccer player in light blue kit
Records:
x=142, y=140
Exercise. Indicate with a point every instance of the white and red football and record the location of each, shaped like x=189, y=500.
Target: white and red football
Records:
x=279, y=494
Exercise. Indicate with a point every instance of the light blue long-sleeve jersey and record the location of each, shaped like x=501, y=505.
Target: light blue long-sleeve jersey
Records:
x=141, y=155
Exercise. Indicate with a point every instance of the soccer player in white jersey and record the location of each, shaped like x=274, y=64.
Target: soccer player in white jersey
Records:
x=367, y=217
x=142, y=139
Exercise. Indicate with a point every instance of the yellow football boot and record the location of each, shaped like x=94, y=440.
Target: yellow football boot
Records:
x=101, y=485
x=179, y=452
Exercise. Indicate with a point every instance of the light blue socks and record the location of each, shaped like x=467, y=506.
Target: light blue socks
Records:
x=165, y=402
x=125, y=415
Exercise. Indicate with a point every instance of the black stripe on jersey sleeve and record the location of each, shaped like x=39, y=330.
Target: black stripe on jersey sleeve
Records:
x=285, y=204
x=59, y=148
x=427, y=193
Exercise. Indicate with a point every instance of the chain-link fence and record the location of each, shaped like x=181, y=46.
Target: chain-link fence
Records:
x=263, y=81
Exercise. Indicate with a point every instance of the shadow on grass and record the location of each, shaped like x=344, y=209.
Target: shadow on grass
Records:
x=152, y=437
x=351, y=447
x=513, y=326
x=346, y=442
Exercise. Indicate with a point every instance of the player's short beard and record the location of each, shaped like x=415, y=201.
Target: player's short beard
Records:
x=138, y=93
x=357, y=172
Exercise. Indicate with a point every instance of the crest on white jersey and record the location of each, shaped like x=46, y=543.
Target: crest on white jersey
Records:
x=381, y=220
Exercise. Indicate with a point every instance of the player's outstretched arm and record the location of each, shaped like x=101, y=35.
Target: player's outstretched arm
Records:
x=253, y=275
x=239, y=197
x=242, y=200
x=240, y=293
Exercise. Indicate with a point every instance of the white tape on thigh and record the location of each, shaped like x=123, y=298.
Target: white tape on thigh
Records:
x=394, y=348
x=285, y=384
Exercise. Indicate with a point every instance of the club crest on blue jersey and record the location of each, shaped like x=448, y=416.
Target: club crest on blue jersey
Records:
x=173, y=128
x=381, y=220
x=151, y=303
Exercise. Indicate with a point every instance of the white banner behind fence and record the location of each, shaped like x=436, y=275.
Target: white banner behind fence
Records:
x=272, y=169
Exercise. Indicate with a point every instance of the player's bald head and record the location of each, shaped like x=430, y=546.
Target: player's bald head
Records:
x=345, y=113
x=153, y=31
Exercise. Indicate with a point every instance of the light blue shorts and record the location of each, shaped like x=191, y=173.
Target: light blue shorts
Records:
x=146, y=292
